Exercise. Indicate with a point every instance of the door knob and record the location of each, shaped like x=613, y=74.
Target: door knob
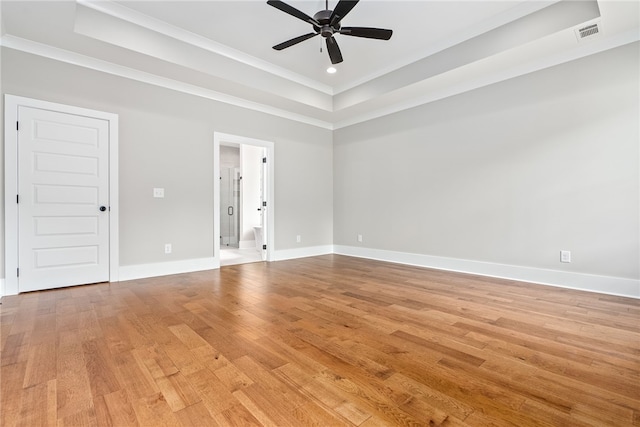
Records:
x=103, y=208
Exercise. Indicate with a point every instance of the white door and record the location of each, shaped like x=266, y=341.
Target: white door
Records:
x=63, y=199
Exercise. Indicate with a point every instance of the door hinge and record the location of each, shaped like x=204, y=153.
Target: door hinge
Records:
x=17, y=125
x=264, y=160
x=17, y=198
x=264, y=247
x=17, y=272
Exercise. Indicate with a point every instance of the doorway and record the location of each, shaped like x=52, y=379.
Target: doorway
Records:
x=243, y=203
x=60, y=195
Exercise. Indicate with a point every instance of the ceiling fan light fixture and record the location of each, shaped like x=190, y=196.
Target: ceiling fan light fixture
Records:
x=331, y=70
x=326, y=23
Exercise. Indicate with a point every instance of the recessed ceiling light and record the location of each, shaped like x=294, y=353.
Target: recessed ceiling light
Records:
x=331, y=70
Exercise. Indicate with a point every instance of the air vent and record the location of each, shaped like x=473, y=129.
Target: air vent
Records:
x=588, y=31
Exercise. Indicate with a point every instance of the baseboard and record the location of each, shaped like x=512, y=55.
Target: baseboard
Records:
x=308, y=251
x=141, y=271
x=563, y=279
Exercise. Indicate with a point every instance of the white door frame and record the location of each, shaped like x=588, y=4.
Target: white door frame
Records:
x=236, y=139
x=11, y=104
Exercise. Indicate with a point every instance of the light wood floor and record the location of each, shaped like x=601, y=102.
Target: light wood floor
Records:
x=324, y=341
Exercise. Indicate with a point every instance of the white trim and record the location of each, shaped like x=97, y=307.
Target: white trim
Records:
x=11, y=182
x=114, y=200
x=580, y=51
x=308, y=251
x=143, y=271
x=219, y=138
x=562, y=279
x=137, y=18
x=10, y=192
x=80, y=60
x=1, y=288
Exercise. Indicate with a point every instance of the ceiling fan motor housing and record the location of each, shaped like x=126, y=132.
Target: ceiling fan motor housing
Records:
x=324, y=18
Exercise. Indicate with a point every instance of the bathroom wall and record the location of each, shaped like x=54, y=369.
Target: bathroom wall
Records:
x=251, y=160
x=229, y=157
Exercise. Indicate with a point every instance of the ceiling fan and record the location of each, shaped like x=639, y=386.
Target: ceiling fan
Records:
x=327, y=23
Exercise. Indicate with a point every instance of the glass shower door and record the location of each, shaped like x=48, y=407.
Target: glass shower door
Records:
x=229, y=207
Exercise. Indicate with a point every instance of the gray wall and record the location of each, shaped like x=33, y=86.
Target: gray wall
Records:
x=166, y=140
x=511, y=173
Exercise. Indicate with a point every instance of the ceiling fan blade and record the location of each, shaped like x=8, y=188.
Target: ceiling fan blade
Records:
x=342, y=8
x=293, y=41
x=369, y=33
x=334, y=50
x=292, y=11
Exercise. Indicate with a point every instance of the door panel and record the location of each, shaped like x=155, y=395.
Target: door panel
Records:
x=229, y=207
x=63, y=180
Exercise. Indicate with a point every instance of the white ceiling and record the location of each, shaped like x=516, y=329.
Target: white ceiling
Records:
x=222, y=49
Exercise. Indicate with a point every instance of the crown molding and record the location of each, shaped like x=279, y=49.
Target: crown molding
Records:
x=84, y=61
x=580, y=51
x=126, y=14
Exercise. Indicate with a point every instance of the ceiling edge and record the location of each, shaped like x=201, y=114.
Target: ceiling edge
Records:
x=517, y=12
x=62, y=55
x=580, y=51
x=122, y=12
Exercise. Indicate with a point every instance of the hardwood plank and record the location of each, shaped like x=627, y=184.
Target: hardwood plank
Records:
x=177, y=391
x=196, y=415
x=216, y=397
x=254, y=410
x=120, y=410
x=100, y=368
x=41, y=365
x=153, y=410
x=73, y=386
x=134, y=376
x=11, y=379
x=238, y=415
x=35, y=402
x=328, y=340
x=14, y=351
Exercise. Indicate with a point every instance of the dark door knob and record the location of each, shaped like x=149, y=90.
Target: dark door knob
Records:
x=103, y=208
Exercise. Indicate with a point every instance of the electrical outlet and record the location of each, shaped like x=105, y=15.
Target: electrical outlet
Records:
x=298, y=238
x=565, y=256
x=158, y=193
x=360, y=238
x=167, y=248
